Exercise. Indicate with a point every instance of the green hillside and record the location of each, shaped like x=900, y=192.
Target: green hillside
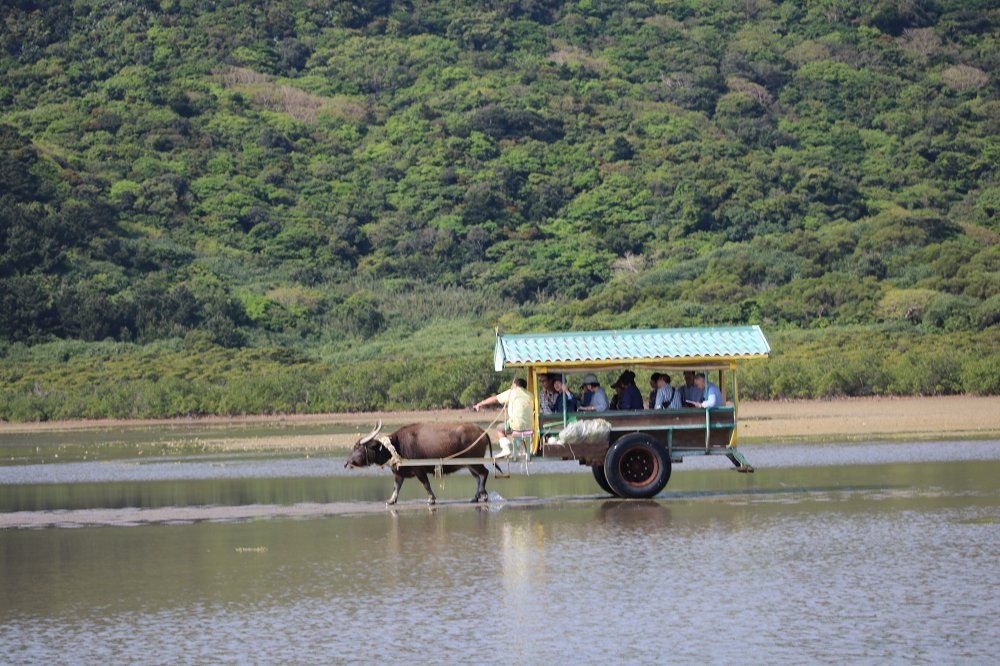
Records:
x=198, y=195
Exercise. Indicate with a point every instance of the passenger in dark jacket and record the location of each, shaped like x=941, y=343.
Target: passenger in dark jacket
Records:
x=616, y=398
x=631, y=397
x=563, y=394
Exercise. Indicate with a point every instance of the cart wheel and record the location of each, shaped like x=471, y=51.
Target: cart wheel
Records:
x=637, y=466
x=602, y=479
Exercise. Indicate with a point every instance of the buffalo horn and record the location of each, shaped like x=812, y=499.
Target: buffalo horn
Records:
x=372, y=434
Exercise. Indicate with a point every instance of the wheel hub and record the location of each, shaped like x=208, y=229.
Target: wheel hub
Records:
x=638, y=467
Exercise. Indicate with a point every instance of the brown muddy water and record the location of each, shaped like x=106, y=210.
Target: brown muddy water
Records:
x=883, y=553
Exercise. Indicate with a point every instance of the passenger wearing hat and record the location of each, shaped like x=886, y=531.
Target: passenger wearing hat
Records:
x=598, y=399
x=616, y=398
x=631, y=397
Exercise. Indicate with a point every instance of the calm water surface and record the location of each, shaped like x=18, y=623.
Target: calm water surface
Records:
x=862, y=553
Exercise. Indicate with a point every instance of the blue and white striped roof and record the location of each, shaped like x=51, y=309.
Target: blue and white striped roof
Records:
x=654, y=346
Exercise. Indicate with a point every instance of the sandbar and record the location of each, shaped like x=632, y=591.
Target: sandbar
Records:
x=863, y=419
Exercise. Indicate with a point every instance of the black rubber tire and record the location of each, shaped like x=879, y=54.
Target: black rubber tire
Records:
x=637, y=467
x=602, y=479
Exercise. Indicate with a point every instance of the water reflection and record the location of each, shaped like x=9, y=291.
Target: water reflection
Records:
x=768, y=484
x=639, y=514
x=873, y=576
x=888, y=563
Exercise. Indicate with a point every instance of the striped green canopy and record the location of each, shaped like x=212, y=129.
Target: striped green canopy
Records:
x=607, y=349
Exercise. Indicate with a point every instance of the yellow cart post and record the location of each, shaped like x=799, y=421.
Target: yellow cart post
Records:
x=643, y=444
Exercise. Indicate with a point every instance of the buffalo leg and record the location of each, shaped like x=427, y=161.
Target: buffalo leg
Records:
x=481, y=474
x=395, y=492
x=422, y=475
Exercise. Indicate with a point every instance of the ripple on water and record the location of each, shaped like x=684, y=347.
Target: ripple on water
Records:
x=241, y=466
x=560, y=582
x=857, y=561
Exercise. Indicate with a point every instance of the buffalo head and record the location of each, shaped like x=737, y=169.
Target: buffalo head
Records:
x=368, y=450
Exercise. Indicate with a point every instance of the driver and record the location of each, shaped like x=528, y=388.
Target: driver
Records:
x=518, y=403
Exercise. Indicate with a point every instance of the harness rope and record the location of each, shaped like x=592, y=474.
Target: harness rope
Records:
x=395, y=458
x=485, y=431
x=502, y=412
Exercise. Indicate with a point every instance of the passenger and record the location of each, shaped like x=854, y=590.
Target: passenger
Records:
x=548, y=395
x=631, y=398
x=518, y=403
x=666, y=396
x=713, y=396
x=563, y=395
x=654, y=383
x=691, y=395
x=617, y=397
x=598, y=398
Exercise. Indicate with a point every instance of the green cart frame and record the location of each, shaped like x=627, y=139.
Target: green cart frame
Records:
x=643, y=445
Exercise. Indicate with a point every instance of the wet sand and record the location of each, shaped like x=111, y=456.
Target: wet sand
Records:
x=956, y=417
x=953, y=417
x=132, y=517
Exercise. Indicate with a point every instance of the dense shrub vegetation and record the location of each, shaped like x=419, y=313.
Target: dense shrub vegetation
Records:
x=211, y=206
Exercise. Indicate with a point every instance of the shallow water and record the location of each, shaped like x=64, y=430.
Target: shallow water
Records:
x=862, y=553
x=115, y=442
x=240, y=479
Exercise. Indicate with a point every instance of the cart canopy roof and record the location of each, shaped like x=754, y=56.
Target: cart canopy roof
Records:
x=663, y=347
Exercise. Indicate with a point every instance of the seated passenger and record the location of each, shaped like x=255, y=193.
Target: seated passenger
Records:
x=631, y=397
x=598, y=401
x=563, y=396
x=713, y=396
x=654, y=383
x=691, y=395
x=617, y=397
x=667, y=397
x=547, y=395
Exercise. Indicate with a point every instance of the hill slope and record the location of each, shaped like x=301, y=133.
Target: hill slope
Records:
x=375, y=180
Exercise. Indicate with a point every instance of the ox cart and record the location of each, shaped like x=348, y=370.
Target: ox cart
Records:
x=634, y=457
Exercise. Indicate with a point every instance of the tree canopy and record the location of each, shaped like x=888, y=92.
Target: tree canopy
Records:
x=337, y=177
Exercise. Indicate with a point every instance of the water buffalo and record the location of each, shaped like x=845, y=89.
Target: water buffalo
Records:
x=423, y=440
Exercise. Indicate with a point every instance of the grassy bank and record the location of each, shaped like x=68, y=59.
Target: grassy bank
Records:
x=74, y=380
x=868, y=362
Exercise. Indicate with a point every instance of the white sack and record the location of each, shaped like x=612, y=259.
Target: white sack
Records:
x=587, y=431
